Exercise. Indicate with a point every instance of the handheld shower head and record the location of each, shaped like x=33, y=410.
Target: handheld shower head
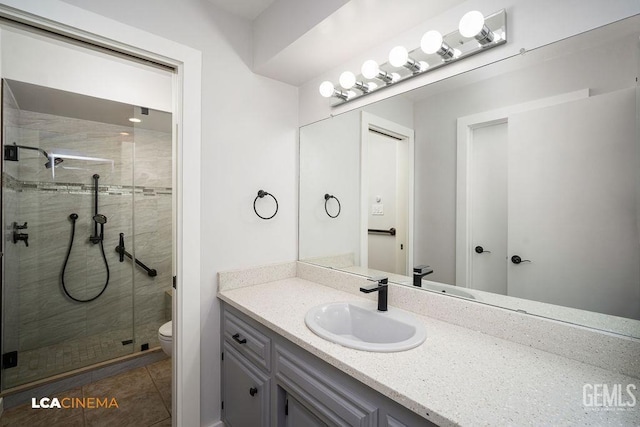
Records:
x=100, y=219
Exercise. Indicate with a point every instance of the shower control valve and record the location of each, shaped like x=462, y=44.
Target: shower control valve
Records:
x=21, y=236
x=19, y=227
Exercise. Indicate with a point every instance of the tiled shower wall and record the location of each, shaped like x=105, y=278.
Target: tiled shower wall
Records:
x=135, y=196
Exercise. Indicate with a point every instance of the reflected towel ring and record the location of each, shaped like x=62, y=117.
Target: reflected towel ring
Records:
x=261, y=194
x=326, y=200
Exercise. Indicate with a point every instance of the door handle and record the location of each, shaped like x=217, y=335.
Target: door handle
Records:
x=516, y=259
x=253, y=391
x=480, y=250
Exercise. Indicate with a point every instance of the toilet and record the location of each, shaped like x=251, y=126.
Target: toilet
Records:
x=165, y=336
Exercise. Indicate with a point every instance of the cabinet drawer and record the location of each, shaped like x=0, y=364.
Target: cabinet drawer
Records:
x=326, y=394
x=251, y=343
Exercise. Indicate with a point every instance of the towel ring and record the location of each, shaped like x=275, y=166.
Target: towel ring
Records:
x=261, y=194
x=326, y=200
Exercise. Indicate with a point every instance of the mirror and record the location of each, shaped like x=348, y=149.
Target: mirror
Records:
x=517, y=184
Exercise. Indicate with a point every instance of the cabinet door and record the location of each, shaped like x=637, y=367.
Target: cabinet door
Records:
x=245, y=391
x=297, y=415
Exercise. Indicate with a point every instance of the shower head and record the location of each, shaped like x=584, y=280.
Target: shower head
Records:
x=47, y=165
x=56, y=162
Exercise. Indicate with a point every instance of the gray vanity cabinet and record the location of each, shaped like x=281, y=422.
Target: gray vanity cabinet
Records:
x=269, y=381
x=296, y=415
x=246, y=383
x=246, y=391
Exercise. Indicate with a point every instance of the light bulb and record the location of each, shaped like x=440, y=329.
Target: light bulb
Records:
x=347, y=80
x=431, y=42
x=370, y=69
x=471, y=24
x=398, y=56
x=326, y=89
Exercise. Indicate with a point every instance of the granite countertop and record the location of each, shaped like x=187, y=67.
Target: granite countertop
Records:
x=456, y=377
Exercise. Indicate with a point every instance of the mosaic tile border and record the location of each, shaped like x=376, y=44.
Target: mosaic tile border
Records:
x=11, y=183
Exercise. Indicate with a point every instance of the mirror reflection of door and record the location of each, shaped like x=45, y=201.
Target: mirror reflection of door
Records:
x=388, y=201
x=489, y=207
x=556, y=187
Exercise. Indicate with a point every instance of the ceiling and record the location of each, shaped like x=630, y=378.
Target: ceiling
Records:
x=47, y=100
x=247, y=9
x=286, y=32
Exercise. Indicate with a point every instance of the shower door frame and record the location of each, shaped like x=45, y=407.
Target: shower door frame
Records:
x=62, y=19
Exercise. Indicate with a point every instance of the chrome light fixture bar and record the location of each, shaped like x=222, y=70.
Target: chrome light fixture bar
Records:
x=476, y=33
x=371, y=70
x=348, y=81
x=327, y=90
x=399, y=57
x=433, y=42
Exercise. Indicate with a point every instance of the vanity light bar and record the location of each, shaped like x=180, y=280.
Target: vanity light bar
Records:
x=476, y=33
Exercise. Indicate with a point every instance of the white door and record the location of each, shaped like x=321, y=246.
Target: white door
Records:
x=388, y=196
x=489, y=208
x=573, y=210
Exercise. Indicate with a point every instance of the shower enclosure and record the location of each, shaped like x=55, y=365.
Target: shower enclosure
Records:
x=87, y=217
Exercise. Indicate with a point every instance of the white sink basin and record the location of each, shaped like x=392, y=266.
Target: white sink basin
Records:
x=363, y=327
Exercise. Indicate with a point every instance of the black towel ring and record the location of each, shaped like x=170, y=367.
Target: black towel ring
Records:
x=326, y=200
x=261, y=194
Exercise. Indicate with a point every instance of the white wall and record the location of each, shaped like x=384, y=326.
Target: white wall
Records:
x=530, y=24
x=330, y=163
x=248, y=143
x=53, y=63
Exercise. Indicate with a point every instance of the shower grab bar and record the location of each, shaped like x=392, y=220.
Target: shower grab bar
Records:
x=391, y=231
x=150, y=271
x=122, y=252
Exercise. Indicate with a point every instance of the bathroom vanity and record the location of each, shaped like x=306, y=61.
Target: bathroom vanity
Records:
x=277, y=372
x=269, y=381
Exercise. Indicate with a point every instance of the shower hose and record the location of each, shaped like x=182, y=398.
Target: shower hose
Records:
x=73, y=217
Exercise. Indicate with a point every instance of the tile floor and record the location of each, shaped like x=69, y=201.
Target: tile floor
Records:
x=76, y=353
x=143, y=396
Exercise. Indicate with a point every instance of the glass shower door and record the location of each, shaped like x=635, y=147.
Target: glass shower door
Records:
x=152, y=238
x=67, y=195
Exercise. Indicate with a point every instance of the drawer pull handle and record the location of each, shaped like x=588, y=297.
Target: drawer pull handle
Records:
x=253, y=391
x=238, y=340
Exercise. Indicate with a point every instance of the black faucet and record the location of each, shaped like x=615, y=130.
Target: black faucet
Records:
x=382, y=288
x=419, y=271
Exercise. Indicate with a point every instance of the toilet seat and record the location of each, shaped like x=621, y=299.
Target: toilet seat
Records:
x=166, y=330
x=165, y=336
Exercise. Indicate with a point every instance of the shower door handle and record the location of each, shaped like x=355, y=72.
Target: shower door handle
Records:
x=120, y=247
